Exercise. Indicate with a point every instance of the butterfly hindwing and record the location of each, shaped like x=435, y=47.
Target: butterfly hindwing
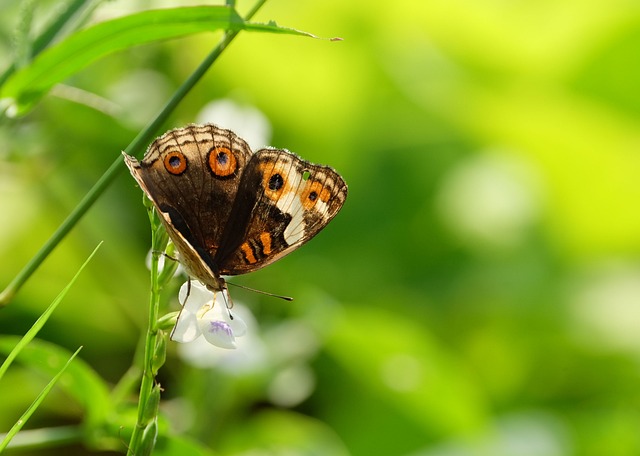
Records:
x=282, y=202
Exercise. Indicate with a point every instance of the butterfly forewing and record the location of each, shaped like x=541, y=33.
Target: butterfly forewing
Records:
x=282, y=202
x=192, y=175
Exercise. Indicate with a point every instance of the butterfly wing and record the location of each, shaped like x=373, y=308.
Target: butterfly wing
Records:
x=282, y=202
x=191, y=175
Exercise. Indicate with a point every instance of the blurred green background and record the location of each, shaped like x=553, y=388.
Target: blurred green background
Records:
x=479, y=293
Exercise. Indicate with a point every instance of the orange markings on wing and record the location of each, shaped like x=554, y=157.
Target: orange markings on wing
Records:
x=175, y=162
x=265, y=239
x=274, y=180
x=222, y=162
x=248, y=253
x=314, y=191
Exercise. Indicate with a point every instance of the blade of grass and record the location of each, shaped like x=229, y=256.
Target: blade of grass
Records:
x=54, y=65
x=25, y=87
x=36, y=403
x=81, y=382
x=28, y=337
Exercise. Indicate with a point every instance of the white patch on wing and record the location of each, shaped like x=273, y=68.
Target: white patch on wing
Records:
x=289, y=203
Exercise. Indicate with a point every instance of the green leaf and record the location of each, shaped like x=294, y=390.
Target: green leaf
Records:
x=35, y=404
x=28, y=337
x=81, y=382
x=57, y=63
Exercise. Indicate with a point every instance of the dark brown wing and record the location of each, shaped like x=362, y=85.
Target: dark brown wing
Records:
x=192, y=174
x=283, y=201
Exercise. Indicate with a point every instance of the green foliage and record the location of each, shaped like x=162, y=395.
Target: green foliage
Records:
x=57, y=63
x=35, y=404
x=37, y=326
x=477, y=295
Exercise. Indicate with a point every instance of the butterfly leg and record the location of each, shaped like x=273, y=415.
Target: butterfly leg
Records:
x=188, y=291
x=182, y=304
x=165, y=254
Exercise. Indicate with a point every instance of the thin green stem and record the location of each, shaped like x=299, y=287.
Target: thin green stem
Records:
x=151, y=342
x=139, y=142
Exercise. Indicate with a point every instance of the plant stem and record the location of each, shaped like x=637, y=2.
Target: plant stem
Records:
x=151, y=342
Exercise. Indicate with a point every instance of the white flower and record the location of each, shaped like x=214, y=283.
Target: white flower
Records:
x=251, y=357
x=206, y=313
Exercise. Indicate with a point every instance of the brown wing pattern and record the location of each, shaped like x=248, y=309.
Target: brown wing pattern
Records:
x=176, y=173
x=283, y=201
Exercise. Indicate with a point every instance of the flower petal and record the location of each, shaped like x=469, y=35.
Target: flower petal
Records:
x=217, y=332
x=197, y=296
x=186, y=328
x=194, y=296
x=237, y=324
x=251, y=355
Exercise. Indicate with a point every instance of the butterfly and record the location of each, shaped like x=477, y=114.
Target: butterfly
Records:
x=228, y=210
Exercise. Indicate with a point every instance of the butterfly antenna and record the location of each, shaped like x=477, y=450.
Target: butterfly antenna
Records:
x=266, y=293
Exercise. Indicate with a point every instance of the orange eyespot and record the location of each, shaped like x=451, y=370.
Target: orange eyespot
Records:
x=222, y=162
x=274, y=185
x=175, y=162
x=275, y=179
x=314, y=192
